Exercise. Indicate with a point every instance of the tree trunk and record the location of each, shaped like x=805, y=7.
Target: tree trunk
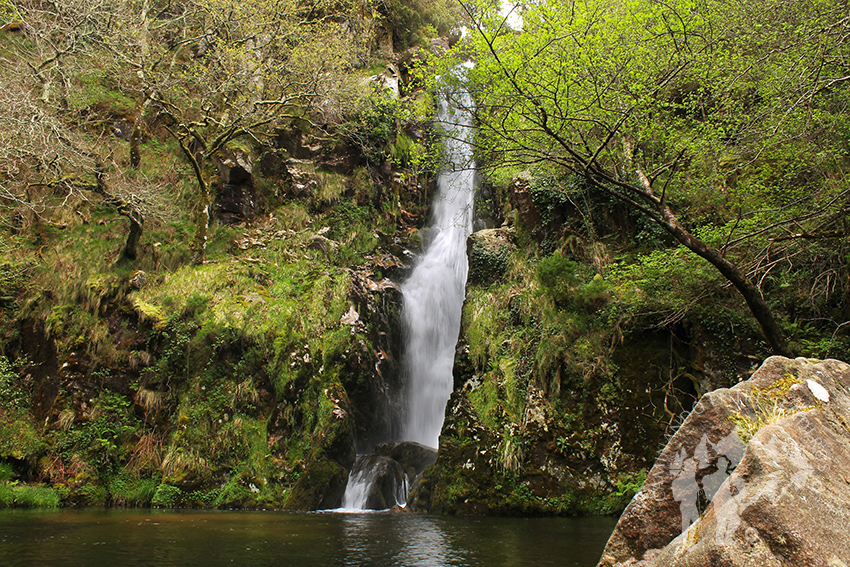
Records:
x=203, y=217
x=130, y=250
x=125, y=208
x=136, y=143
x=137, y=133
x=664, y=217
x=758, y=306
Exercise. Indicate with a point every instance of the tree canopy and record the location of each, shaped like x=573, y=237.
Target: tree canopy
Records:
x=733, y=114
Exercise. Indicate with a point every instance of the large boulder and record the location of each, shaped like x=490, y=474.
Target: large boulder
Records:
x=412, y=456
x=756, y=476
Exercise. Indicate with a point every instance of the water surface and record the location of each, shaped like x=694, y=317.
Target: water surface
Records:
x=128, y=538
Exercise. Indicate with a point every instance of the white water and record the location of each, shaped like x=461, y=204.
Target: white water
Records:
x=434, y=293
x=366, y=472
x=357, y=490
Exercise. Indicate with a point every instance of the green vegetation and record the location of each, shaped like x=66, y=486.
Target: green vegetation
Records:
x=720, y=158
x=652, y=178
x=766, y=407
x=414, y=21
x=200, y=240
x=154, y=350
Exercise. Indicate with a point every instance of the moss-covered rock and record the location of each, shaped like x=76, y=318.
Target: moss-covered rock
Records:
x=489, y=252
x=320, y=486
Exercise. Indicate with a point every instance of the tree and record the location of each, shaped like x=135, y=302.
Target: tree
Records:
x=210, y=71
x=40, y=147
x=659, y=104
x=45, y=129
x=237, y=69
x=60, y=30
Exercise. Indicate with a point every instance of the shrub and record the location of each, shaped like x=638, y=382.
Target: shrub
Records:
x=126, y=489
x=167, y=496
x=372, y=127
x=100, y=441
x=20, y=496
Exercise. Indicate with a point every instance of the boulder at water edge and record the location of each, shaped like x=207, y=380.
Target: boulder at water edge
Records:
x=379, y=481
x=412, y=456
x=758, y=475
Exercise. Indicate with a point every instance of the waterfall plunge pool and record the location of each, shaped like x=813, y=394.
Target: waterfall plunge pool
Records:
x=207, y=538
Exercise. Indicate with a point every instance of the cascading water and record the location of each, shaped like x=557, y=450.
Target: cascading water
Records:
x=434, y=293
x=375, y=483
x=433, y=300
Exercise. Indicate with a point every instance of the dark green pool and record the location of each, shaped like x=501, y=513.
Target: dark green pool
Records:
x=132, y=537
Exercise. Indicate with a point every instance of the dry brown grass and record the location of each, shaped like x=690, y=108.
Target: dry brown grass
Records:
x=146, y=454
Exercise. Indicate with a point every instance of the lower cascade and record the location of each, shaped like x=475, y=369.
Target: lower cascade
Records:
x=375, y=483
x=382, y=480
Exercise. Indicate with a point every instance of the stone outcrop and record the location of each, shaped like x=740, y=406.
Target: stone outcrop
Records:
x=237, y=201
x=488, y=251
x=781, y=499
x=387, y=80
x=521, y=201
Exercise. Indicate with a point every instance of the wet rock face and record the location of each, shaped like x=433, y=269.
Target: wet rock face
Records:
x=236, y=203
x=320, y=487
x=781, y=499
x=372, y=375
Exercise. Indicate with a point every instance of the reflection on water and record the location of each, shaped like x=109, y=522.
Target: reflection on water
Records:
x=416, y=541
x=426, y=544
x=151, y=537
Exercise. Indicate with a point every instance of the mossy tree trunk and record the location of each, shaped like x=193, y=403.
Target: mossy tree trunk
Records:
x=203, y=218
x=129, y=252
x=643, y=197
x=139, y=118
x=199, y=160
x=138, y=133
x=200, y=151
x=126, y=208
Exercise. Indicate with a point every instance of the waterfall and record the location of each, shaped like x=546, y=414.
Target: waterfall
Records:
x=434, y=293
x=433, y=299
